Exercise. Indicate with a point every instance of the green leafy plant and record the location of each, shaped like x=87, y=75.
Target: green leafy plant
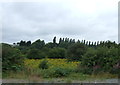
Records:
x=56, y=53
x=76, y=51
x=44, y=64
x=60, y=72
x=12, y=59
x=55, y=72
x=35, y=54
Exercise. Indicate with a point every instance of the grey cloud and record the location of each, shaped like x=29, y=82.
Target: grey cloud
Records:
x=43, y=20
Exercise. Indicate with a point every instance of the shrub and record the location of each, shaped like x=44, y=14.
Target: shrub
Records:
x=55, y=72
x=90, y=58
x=12, y=59
x=61, y=72
x=43, y=64
x=76, y=51
x=100, y=59
x=108, y=57
x=83, y=69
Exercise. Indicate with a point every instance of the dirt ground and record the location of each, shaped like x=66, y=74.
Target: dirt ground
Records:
x=56, y=81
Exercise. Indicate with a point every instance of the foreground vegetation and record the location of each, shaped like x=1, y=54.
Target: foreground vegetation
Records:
x=59, y=70
x=68, y=59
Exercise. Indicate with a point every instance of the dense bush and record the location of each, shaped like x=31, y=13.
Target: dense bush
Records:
x=102, y=58
x=61, y=72
x=83, y=69
x=76, y=51
x=44, y=64
x=55, y=72
x=35, y=54
x=12, y=59
x=90, y=58
x=113, y=62
x=108, y=57
x=56, y=53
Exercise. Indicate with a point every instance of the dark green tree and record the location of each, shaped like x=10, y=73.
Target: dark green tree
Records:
x=89, y=43
x=28, y=43
x=60, y=40
x=49, y=45
x=84, y=41
x=54, y=40
x=78, y=41
x=57, y=53
x=22, y=43
x=38, y=44
x=35, y=54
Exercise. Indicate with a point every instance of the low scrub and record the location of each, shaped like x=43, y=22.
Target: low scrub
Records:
x=56, y=72
x=44, y=64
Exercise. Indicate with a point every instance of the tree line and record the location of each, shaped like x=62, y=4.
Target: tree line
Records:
x=92, y=55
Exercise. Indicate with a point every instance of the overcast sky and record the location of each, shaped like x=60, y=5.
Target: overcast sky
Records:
x=78, y=19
